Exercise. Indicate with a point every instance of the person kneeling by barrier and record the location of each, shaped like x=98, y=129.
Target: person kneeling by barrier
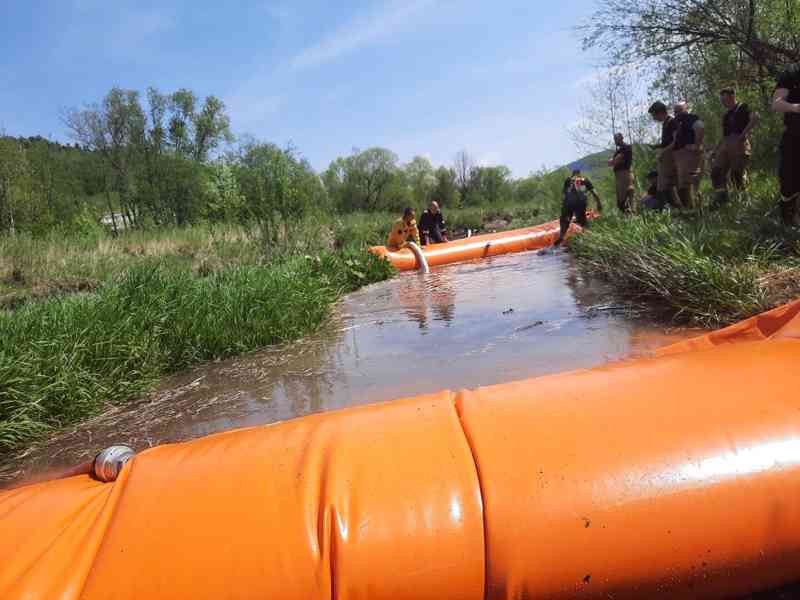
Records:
x=652, y=201
x=575, y=204
x=432, y=228
x=405, y=234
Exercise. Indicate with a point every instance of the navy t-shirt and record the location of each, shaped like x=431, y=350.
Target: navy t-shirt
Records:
x=686, y=134
x=668, y=129
x=626, y=151
x=736, y=120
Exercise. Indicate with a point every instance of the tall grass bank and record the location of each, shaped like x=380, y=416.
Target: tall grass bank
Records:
x=65, y=358
x=712, y=268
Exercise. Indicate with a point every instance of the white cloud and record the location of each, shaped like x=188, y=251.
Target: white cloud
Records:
x=390, y=19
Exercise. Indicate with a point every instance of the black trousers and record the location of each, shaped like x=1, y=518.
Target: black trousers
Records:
x=431, y=236
x=789, y=174
x=575, y=205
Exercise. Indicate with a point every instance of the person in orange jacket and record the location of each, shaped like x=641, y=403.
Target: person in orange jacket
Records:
x=404, y=231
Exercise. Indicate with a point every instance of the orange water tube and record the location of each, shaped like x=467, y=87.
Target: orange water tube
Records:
x=676, y=476
x=479, y=246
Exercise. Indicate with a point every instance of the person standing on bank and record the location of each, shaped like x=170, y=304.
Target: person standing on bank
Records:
x=732, y=154
x=667, y=175
x=688, y=153
x=575, y=202
x=622, y=163
x=787, y=101
x=432, y=228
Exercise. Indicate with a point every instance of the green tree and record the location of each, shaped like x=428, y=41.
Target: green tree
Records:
x=278, y=187
x=225, y=201
x=445, y=191
x=13, y=173
x=154, y=156
x=421, y=177
x=463, y=167
x=763, y=32
x=367, y=180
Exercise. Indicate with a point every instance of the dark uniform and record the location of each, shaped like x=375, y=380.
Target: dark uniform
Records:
x=575, y=203
x=667, y=173
x=624, y=177
x=688, y=162
x=789, y=169
x=432, y=228
x=733, y=153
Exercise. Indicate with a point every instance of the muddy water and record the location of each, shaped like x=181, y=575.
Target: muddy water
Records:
x=461, y=326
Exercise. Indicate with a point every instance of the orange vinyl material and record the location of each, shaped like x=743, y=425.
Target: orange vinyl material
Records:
x=480, y=246
x=675, y=476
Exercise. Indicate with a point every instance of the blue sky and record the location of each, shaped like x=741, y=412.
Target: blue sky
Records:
x=502, y=79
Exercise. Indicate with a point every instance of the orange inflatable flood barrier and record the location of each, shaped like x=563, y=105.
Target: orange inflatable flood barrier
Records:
x=676, y=476
x=479, y=246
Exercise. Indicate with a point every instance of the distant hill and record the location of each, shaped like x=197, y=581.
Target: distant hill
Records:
x=592, y=162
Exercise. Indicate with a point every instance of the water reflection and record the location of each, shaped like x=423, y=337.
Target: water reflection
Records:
x=431, y=296
x=463, y=326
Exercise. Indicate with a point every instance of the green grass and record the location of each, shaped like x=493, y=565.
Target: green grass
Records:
x=32, y=268
x=709, y=268
x=65, y=358
x=157, y=301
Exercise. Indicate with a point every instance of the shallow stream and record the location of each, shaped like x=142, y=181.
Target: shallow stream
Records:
x=462, y=326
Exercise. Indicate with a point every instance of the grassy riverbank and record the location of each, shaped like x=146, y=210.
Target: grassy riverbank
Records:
x=94, y=320
x=708, y=268
x=33, y=268
x=65, y=358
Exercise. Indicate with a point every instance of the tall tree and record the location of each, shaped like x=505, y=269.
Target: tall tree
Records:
x=763, y=32
x=420, y=175
x=366, y=180
x=13, y=170
x=463, y=165
x=116, y=129
x=445, y=192
x=616, y=102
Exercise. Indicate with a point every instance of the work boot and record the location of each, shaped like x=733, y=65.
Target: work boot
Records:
x=667, y=198
x=721, y=198
x=674, y=198
x=687, y=197
x=788, y=210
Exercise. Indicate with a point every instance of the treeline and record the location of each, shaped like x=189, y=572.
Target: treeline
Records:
x=142, y=161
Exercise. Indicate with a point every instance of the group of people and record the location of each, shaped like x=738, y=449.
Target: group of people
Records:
x=431, y=228
x=680, y=154
x=680, y=158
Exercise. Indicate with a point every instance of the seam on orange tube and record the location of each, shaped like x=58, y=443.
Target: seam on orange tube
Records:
x=104, y=521
x=54, y=541
x=333, y=549
x=456, y=399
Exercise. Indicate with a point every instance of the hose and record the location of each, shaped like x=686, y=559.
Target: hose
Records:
x=422, y=262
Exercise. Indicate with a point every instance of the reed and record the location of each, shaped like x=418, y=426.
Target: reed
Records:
x=65, y=358
x=709, y=268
